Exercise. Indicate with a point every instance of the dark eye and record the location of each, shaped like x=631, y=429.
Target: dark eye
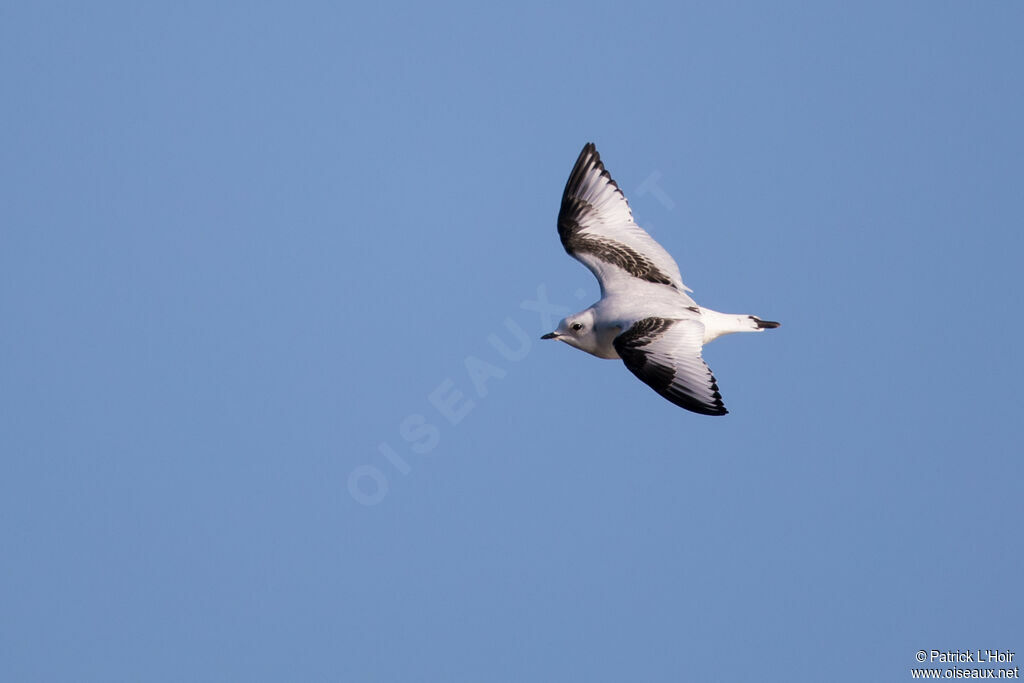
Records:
x=577, y=327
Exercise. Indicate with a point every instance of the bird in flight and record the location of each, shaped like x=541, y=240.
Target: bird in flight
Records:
x=645, y=316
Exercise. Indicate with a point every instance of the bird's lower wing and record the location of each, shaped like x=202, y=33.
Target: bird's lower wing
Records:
x=665, y=354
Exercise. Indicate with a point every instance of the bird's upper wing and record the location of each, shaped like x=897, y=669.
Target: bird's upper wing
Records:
x=665, y=354
x=597, y=228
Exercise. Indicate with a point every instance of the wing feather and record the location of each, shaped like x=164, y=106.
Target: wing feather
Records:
x=666, y=355
x=596, y=227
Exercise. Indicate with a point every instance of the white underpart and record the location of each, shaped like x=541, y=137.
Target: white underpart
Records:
x=617, y=312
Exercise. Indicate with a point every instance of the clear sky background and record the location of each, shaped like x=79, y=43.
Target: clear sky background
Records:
x=251, y=254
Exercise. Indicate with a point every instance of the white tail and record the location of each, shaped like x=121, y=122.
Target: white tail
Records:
x=717, y=324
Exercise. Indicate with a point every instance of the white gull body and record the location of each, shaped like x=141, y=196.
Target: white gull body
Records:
x=645, y=316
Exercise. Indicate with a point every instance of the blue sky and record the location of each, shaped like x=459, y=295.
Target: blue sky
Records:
x=253, y=253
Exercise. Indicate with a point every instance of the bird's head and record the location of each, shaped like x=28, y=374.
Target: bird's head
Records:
x=577, y=330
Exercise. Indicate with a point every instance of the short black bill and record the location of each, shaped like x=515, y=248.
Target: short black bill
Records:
x=764, y=324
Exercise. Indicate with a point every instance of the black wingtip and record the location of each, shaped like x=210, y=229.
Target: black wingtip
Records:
x=711, y=411
x=589, y=150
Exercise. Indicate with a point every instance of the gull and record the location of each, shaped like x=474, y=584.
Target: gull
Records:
x=645, y=315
